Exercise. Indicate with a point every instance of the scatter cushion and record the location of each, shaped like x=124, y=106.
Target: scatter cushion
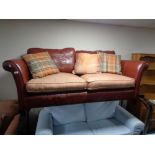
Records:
x=8, y=109
x=100, y=110
x=40, y=64
x=59, y=82
x=108, y=81
x=67, y=114
x=110, y=63
x=86, y=63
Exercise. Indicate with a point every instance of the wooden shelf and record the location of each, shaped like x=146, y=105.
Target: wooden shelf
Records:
x=147, y=85
x=149, y=95
x=151, y=66
x=147, y=91
x=148, y=77
x=147, y=82
x=139, y=56
x=147, y=88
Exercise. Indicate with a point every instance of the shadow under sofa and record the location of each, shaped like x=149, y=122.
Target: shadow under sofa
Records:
x=102, y=118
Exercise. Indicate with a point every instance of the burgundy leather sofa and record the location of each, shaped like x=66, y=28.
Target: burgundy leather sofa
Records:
x=65, y=60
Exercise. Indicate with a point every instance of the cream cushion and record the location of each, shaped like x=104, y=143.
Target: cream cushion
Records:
x=107, y=81
x=86, y=63
x=59, y=82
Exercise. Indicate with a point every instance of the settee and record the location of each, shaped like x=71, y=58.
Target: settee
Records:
x=101, y=118
x=113, y=87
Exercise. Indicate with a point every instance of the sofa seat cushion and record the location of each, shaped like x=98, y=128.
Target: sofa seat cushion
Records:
x=100, y=110
x=107, y=81
x=67, y=114
x=79, y=128
x=108, y=127
x=59, y=82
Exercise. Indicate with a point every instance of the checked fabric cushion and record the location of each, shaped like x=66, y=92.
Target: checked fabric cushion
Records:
x=40, y=64
x=110, y=63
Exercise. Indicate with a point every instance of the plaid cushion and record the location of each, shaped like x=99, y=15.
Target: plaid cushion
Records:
x=110, y=63
x=40, y=64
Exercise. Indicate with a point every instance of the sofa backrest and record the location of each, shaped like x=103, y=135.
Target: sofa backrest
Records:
x=100, y=110
x=64, y=58
x=94, y=52
x=82, y=112
x=67, y=114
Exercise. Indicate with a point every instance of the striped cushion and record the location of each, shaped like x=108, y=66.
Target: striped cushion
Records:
x=110, y=63
x=40, y=64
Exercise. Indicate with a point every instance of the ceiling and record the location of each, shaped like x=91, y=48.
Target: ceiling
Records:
x=147, y=23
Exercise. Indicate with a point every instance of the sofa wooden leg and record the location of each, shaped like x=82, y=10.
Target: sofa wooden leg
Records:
x=24, y=122
x=123, y=103
x=27, y=120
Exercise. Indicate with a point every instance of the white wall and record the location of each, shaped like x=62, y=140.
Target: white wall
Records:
x=16, y=36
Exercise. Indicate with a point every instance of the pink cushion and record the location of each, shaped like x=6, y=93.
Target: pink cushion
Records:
x=86, y=63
